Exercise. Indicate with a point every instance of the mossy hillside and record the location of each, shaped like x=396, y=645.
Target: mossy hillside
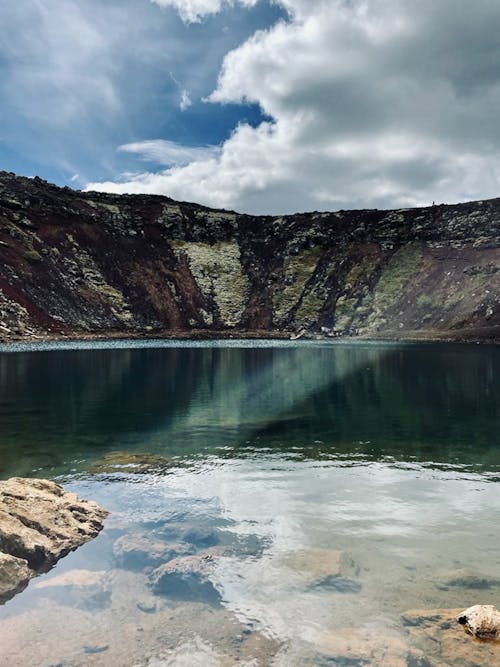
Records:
x=356, y=302
x=297, y=271
x=219, y=275
x=112, y=208
x=315, y=295
x=100, y=262
x=401, y=270
x=82, y=268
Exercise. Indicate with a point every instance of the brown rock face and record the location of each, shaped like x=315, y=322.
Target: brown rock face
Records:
x=92, y=264
x=40, y=523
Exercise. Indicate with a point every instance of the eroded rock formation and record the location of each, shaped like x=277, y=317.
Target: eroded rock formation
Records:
x=78, y=264
x=40, y=523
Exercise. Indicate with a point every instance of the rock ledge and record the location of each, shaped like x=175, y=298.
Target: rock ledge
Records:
x=40, y=523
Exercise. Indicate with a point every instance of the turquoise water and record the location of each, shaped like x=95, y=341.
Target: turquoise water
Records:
x=274, y=458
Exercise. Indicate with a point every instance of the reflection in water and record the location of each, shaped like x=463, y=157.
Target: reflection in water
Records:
x=425, y=403
x=373, y=466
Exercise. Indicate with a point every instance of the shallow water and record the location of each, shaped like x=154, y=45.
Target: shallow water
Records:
x=272, y=457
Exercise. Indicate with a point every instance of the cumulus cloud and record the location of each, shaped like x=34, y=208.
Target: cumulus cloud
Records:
x=193, y=11
x=379, y=103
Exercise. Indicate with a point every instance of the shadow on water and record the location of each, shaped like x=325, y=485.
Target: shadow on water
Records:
x=425, y=403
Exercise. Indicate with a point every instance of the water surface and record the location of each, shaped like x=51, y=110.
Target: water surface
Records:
x=275, y=458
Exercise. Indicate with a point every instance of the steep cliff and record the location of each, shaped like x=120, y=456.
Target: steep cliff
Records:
x=76, y=263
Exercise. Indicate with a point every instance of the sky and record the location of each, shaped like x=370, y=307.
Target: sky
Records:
x=261, y=106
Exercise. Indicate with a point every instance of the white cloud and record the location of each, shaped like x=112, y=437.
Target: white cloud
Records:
x=193, y=11
x=185, y=102
x=60, y=62
x=379, y=103
x=169, y=153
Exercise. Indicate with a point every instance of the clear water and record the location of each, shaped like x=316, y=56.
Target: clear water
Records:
x=388, y=453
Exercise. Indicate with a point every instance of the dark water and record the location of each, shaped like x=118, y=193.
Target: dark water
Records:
x=265, y=454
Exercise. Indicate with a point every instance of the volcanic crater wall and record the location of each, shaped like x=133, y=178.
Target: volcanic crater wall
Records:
x=76, y=263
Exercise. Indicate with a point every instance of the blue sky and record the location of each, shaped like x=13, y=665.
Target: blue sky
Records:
x=263, y=106
x=146, y=53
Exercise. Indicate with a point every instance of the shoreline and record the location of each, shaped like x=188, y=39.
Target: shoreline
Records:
x=490, y=336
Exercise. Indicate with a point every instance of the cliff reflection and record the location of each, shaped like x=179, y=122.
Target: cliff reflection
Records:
x=426, y=403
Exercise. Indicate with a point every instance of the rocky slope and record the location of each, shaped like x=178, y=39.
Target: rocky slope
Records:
x=77, y=264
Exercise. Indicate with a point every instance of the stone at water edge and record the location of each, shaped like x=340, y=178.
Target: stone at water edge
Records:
x=481, y=621
x=40, y=523
x=14, y=575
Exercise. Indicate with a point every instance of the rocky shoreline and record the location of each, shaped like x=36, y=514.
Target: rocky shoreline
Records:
x=486, y=336
x=40, y=523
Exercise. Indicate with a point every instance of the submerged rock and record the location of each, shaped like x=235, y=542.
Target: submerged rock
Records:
x=437, y=633
x=468, y=580
x=482, y=621
x=352, y=646
x=130, y=462
x=137, y=551
x=40, y=523
x=85, y=589
x=326, y=567
x=187, y=578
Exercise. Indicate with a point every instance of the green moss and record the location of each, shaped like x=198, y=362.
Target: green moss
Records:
x=309, y=309
x=32, y=255
x=345, y=312
x=400, y=271
x=403, y=266
x=424, y=301
x=361, y=272
x=298, y=269
x=113, y=208
x=219, y=275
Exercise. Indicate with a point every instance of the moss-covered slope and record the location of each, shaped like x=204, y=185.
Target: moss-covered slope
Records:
x=77, y=263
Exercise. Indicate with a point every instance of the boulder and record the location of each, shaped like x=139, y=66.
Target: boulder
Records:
x=481, y=621
x=40, y=523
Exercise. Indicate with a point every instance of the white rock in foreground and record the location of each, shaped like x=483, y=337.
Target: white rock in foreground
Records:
x=40, y=523
x=482, y=621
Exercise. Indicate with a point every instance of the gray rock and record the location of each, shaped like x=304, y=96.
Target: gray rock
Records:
x=40, y=523
x=14, y=576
